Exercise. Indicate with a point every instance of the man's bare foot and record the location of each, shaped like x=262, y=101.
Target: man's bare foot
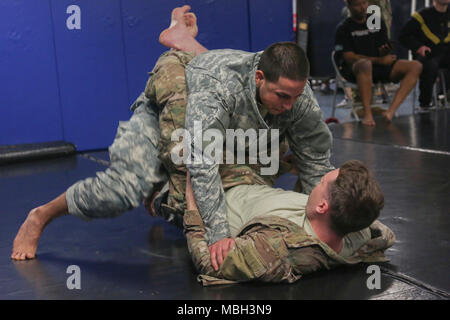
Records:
x=190, y=20
x=26, y=241
x=182, y=32
x=388, y=116
x=368, y=121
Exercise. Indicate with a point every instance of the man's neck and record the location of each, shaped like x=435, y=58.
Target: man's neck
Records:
x=360, y=21
x=440, y=7
x=327, y=235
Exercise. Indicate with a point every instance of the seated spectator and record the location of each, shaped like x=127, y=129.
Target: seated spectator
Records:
x=367, y=59
x=427, y=35
x=281, y=235
x=385, y=8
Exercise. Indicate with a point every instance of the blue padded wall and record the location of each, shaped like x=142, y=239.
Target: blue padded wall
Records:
x=29, y=101
x=222, y=24
x=92, y=73
x=270, y=21
x=76, y=85
x=143, y=21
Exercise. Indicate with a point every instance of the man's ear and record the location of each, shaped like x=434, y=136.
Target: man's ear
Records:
x=259, y=76
x=322, y=207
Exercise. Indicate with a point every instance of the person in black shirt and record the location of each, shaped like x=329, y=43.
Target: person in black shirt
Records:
x=367, y=59
x=427, y=35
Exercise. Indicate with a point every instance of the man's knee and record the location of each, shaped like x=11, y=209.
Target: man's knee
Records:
x=362, y=66
x=430, y=67
x=415, y=67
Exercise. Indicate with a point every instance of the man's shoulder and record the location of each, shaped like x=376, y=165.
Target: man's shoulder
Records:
x=426, y=12
x=344, y=25
x=214, y=59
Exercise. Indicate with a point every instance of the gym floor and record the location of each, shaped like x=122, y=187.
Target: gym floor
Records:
x=136, y=256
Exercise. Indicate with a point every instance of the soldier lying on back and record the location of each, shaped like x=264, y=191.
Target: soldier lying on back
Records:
x=281, y=235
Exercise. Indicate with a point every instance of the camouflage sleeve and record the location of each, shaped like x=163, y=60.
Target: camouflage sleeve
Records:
x=310, y=141
x=206, y=110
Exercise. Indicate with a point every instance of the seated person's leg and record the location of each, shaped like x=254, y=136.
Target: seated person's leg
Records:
x=408, y=73
x=362, y=69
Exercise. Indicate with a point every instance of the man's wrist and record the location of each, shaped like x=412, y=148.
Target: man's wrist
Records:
x=214, y=236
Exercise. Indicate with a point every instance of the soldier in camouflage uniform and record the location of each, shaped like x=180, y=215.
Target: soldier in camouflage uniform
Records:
x=280, y=245
x=217, y=79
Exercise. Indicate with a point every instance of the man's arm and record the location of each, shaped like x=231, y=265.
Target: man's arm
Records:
x=408, y=35
x=215, y=257
x=207, y=109
x=310, y=141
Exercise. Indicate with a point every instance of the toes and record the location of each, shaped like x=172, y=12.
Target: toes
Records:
x=30, y=256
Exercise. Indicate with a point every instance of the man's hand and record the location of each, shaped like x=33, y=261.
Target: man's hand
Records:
x=385, y=49
x=219, y=251
x=388, y=59
x=423, y=50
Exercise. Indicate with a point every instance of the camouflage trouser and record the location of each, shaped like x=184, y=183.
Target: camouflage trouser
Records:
x=133, y=173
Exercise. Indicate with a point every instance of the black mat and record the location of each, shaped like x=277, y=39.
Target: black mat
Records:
x=429, y=131
x=136, y=256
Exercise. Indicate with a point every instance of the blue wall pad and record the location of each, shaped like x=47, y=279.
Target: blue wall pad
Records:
x=270, y=21
x=70, y=69
x=29, y=102
x=222, y=24
x=143, y=21
x=91, y=65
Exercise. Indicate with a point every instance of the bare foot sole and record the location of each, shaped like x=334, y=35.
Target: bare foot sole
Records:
x=182, y=30
x=26, y=241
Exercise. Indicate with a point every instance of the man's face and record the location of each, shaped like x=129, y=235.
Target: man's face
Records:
x=279, y=96
x=320, y=193
x=358, y=9
x=442, y=2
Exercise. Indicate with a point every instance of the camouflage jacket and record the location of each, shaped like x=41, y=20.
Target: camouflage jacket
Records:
x=273, y=249
x=222, y=95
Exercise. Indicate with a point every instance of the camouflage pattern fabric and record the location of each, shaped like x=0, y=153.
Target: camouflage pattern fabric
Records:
x=166, y=88
x=134, y=171
x=273, y=249
x=222, y=95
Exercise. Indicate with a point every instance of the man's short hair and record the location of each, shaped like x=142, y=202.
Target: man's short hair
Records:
x=355, y=198
x=284, y=59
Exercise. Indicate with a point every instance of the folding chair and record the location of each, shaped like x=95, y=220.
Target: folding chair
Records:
x=441, y=80
x=342, y=83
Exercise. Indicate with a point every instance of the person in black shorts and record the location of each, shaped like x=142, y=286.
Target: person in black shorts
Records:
x=367, y=58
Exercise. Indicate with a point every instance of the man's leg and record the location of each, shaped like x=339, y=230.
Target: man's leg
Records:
x=134, y=171
x=362, y=69
x=427, y=80
x=408, y=72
